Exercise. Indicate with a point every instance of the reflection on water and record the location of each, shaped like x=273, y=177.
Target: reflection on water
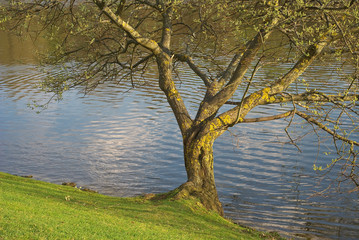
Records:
x=126, y=143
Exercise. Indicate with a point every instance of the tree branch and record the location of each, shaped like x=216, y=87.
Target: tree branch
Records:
x=267, y=95
x=167, y=27
x=270, y=118
x=312, y=52
x=230, y=69
x=325, y=128
x=191, y=64
x=221, y=122
x=142, y=61
x=256, y=68
x=143, y=41
x=211, y=105
x=306, y=97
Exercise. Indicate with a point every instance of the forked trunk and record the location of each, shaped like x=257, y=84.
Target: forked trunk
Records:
x=198, y=154
x=198, y=144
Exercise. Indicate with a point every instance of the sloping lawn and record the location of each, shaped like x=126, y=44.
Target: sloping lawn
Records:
x=31, y=209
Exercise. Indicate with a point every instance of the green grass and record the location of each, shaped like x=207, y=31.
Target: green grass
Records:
x=31, y=209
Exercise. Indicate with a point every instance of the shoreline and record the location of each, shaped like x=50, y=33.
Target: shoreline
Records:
x=30, y=203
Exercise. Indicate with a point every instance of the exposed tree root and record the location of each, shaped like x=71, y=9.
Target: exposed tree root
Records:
x=208, y=199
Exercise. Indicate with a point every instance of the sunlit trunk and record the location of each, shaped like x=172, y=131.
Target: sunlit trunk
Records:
x=198, y=154
x=198, y=144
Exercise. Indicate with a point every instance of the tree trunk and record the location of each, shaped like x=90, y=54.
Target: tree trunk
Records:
x=197, y=142
x=198, y=155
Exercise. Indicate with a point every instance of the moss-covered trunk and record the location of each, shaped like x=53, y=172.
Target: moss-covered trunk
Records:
x=198, y=141
x=198, y=155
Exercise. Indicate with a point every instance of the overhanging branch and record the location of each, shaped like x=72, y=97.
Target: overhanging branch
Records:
x=142, y=60
x=302, y=64
x=143, y=41
x=304, y=116
x=325, y=128
x=306, y=97
x=270, y=118
x=192, y=65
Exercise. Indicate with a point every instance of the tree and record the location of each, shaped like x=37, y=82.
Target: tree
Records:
x=116, y=40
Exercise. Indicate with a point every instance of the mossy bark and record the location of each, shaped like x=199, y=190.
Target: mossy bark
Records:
x=198, y=156
x=198, y=138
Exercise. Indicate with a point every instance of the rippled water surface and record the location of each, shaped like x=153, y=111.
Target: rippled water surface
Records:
x=124, y=142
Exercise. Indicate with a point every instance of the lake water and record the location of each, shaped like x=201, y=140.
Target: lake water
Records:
x=125, y=142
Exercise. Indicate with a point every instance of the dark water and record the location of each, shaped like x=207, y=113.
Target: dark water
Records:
x=124, y=142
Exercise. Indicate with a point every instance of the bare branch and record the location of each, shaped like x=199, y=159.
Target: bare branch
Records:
x=120, y=7
x=148, y=3
x=230, y=69
x=142, y=61
x=289, y=124
x=256, y=68
x=325, y=128
x=143, y=41
x=191, y=64
x=312, y=52
x=270, y=118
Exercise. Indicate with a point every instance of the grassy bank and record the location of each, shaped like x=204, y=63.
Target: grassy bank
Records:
x=31, y=209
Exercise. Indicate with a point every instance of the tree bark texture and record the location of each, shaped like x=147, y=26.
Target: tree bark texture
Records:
x=198, y=156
